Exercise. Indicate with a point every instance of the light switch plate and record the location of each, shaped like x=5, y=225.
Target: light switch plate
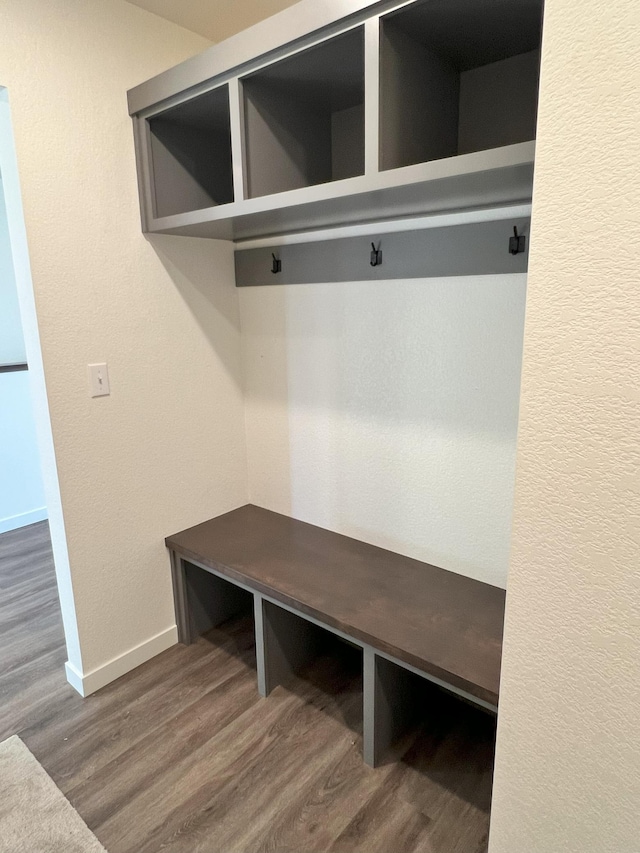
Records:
x=98, y=380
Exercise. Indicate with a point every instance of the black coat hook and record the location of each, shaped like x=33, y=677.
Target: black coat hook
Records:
x=276, y=266
x=376, y=255
x=517, y=243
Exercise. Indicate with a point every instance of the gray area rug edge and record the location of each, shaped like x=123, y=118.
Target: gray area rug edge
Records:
x=35, y=816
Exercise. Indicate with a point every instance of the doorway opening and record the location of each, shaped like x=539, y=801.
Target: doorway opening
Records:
x=34, y=563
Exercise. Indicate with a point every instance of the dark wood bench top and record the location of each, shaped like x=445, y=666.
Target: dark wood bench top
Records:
x=442, y=623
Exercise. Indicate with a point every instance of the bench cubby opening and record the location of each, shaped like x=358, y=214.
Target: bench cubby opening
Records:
x=191, y=161
x=297, y=650
x=304, y=117
x=457, y=77
x=400, y=704
x=209, y=602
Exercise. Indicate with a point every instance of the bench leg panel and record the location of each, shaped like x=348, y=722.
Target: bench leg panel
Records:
x=389, y=705
x=180, y=599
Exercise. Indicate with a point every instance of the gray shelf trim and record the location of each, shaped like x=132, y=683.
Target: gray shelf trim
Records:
x=236, y=114
x=474, y=249
x=14, y=368
x=509, y=212
x=372, y=96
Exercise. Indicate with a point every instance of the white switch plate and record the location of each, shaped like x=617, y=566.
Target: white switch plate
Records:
x=98, y=380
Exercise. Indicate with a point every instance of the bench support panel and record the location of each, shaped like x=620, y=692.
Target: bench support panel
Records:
x=180, y=599
x=285, y=644
x=390, y=706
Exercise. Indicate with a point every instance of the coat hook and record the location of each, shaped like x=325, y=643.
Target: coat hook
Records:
x=376, y=255
x=517, y=243
x=276, y=266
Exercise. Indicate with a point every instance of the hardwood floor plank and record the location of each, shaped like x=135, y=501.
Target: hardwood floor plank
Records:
x=385, y=822
x=16, y=653
x=133, y=772
x=323, y=807
x=218, y=767
x=98, y=739
x=25, y=552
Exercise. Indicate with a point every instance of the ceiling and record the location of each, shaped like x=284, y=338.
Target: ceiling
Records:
x=214, y=19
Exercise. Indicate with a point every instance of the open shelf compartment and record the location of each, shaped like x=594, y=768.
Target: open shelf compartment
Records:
x=457, y=76
x=213, y=602
x=304, y=117
x=297, y=652
x=191, y=161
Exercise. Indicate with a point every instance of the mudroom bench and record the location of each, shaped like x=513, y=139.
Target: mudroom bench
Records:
x=408, y=618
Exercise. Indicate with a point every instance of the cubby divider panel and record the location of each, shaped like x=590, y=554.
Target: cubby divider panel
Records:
x=191, y=158
x=457, y=76
x=394, y=700
x=304, y=117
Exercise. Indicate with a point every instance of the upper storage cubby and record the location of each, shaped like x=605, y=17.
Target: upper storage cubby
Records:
x=190, y=147
x=304, y=117
x=457, y=76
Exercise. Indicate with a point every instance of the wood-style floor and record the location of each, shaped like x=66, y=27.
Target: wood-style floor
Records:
x=183, y=755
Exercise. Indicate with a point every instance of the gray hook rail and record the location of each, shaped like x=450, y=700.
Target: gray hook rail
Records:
x=483, y=248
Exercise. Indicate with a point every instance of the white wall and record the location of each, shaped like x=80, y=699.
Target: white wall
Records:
x=166, y=449
x=388, y=411
x=215, y=20
x=568, y=760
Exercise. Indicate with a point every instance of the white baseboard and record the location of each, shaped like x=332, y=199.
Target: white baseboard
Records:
x=23, y=519
x=89, y=682
x=74, y=677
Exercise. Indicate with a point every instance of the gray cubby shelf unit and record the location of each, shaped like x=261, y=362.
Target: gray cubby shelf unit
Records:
x=343, y=112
